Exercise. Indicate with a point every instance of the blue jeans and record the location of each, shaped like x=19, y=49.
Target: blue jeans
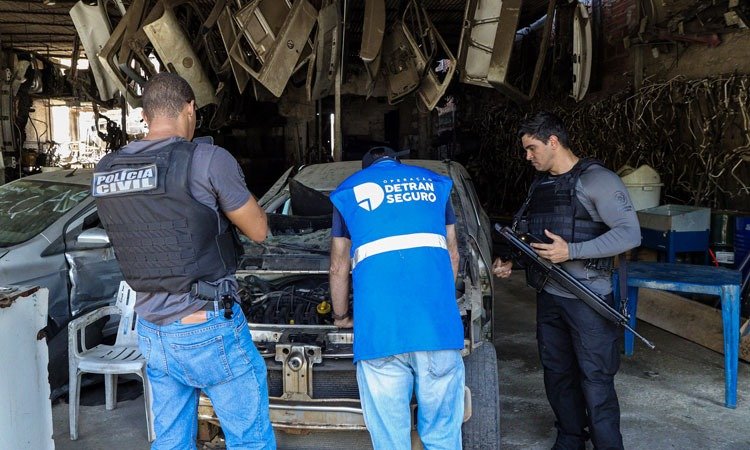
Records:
x=219, y=358
x=385, y=389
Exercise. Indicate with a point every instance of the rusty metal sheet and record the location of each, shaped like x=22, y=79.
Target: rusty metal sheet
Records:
x=176, y=53
x=9, y=294
x=332, y=414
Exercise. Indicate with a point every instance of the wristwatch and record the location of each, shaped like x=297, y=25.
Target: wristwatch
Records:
x=335, y=316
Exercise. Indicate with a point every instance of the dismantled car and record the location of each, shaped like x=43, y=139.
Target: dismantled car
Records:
x=285, y=296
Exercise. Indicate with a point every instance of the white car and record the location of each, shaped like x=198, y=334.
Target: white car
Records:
x=284, y=289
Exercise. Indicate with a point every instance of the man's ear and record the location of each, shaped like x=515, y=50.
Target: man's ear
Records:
x=553, y=141
x=144, y=116
x=189, y=108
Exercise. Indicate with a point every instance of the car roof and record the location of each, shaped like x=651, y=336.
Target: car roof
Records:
x=81, y=177
x=326, y=177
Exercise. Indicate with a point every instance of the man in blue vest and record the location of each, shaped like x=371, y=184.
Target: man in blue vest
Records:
x=169, y=206
x=584, y=212
x=394, y=228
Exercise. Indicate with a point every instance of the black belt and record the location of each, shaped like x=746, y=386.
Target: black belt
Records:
x=212, y=306
x=221, y=293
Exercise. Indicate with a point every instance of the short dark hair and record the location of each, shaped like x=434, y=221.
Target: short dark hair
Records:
x=165, y=94
x=543, y=125
x=375, y=153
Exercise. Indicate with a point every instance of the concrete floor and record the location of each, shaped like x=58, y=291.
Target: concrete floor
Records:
x=671, y=397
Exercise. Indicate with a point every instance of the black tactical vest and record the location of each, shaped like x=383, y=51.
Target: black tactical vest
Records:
x=164, y=239
x=552, y=204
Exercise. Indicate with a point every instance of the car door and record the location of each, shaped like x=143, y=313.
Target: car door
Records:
x=93, y=272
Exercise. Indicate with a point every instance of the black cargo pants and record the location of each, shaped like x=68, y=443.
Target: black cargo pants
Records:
x=580, y=354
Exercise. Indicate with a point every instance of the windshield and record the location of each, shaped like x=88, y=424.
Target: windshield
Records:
x=27, y=207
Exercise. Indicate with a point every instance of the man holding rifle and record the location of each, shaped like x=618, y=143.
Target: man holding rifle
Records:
x=584, y=216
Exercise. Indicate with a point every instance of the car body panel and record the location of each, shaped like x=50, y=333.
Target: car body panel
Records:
x=93, y=28
x=582, y=52
x=78, y=278
x=499, y=73
x=481, y=21
x=177, y=54
x=278, y=34
x=228, y=31
x=373, y=28
x=321, y=75
x=118, y=59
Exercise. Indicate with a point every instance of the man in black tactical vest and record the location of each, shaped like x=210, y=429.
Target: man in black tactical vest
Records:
x=583, y=213
x=170, y=206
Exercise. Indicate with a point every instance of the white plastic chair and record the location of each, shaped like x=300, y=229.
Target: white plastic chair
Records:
x=109, y=360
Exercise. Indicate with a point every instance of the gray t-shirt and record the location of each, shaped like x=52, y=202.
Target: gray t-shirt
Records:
x=216, y=181
x=605, y=197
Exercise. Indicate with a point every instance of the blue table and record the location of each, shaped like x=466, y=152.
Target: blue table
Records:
x=696, y=279
x=673, y=242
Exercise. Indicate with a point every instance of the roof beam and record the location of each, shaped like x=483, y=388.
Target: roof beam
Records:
x=36, y=24
x=38, y=12
x=33, y=5
x=36, y=33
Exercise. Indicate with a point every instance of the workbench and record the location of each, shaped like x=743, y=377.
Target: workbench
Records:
x=719, y=281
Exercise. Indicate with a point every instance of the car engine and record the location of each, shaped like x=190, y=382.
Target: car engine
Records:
x=295, y=300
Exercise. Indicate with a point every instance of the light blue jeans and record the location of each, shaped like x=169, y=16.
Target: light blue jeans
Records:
x=385, y=389
x=219, y=358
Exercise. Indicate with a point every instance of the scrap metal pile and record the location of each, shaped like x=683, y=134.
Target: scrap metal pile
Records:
x=695, y=133
x=228, y=47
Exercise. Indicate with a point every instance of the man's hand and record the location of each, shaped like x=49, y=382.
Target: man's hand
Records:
x=502, y=268
x=556, y=252
x=344, y=323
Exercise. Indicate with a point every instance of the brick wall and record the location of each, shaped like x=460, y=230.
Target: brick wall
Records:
x=619, y=19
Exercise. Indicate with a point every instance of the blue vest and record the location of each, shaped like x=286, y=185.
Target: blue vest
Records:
x=404, y=289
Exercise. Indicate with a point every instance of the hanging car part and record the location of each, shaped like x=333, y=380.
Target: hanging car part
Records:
x=321, y=75
x=177, y=54
x=582, y=52
x=93, y=28
x=277, y=33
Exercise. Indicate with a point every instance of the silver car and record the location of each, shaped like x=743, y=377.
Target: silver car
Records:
x=41, y=217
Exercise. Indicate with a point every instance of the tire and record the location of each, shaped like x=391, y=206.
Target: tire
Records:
x=482, y=430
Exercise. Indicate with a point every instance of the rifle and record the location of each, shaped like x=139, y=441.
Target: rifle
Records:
x=554, y=272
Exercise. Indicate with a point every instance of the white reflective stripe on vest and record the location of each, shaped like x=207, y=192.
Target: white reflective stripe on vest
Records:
x=400, y=242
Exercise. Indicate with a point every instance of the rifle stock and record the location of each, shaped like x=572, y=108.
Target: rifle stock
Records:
x=561, y=276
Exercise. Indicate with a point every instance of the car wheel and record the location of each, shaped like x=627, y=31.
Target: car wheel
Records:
x=482, y=430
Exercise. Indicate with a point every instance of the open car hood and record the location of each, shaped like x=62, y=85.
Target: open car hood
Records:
x=297, y=244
